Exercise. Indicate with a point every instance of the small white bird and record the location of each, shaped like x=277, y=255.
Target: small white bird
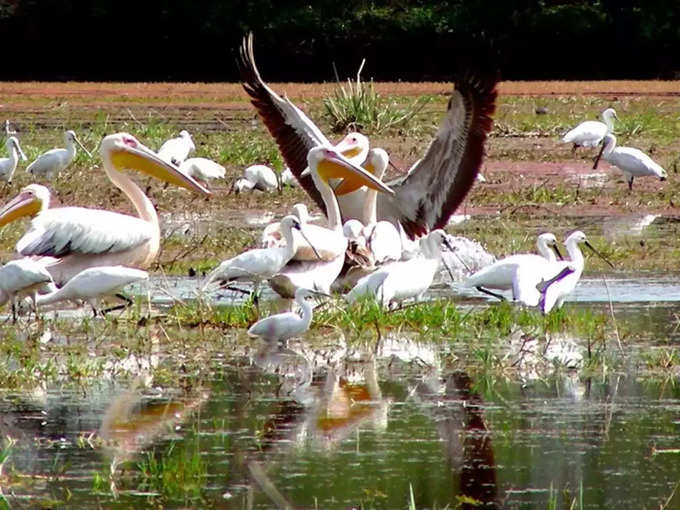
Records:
x=176, y=150
x=202, y=170
x=272, y=236
x=50, y=163
x=259, y=177
x=556, y=292
x=22, y=277
x=288, y=179
x=282, y=326
x=632, y=162
x=95, y=282
x=591, y=132
x=9, y=165
x=519, y=273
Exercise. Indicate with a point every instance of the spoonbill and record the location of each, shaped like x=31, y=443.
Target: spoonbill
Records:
x=591, y=132
x=288, y=179
x=520, y=273
x=54, y=161
x=271, y=235
x=176, y=150
x=202, y=170
x=556, y=292
x=632, y=162
x=393, y=283
x=282, y=326
x=22, y=277
x=423, y=200
x=81, y=238
x=259, y=177
x=9, y=165
x=93, y=283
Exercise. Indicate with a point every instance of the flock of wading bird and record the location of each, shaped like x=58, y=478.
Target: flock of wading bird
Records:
x=382, y=239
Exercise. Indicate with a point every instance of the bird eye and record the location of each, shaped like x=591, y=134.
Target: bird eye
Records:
x=131, y=142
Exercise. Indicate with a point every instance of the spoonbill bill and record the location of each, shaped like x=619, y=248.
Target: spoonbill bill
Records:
x=50, y=163
x=632, y=162
x=9, y=165
x=80, y=238
x=176, y=150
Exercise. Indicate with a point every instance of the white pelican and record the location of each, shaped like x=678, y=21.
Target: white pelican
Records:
x=520, y=273
x=555, y=293
x=83, y=238
x=396, y=282
x=260, y=263
x=282, y=326
x=632, y=162
x=325, y=163
x=54, y=161
x=22, y=277
x=591, y=132
x=9, y=165
x=176, y=150
x=202, y=170
x=424, y=199
x=92, y=283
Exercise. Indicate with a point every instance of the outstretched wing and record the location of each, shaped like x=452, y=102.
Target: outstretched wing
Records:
x=61, y=231
x=436, y=185
x=294, y=133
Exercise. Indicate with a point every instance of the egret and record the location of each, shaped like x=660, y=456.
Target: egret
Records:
x=9, y=165
x=393, y=283
x=632, y=162
x=81, y=238
x=520, y=273
x=555, y=293
x=176, y=150
x=591, y=132
x=424, y=199
x=282, y=326
x=202, y=170
x=52, y=162
x=22, y=277
x=93, y=283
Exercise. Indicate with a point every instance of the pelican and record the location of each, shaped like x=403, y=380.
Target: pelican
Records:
x=555, y=293
x=423, y=200
x=202, y=170
x=22, y=277
x=54, y=161
x=81, y=238
x=591, y=132
x=520, y=272
x=92, y=283
x=282, y=326
x=9, y=165
x=396, y=282
x=632, y=162
x=176, y=150
x=325, y=163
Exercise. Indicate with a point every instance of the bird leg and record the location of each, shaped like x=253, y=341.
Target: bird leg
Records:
x=630, y=184
x=14, y=312
x=573, y=149
x=128, y=303
x=494, y=294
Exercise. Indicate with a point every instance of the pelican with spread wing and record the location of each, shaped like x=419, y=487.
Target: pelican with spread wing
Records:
x=76, y=238
x=424, y=199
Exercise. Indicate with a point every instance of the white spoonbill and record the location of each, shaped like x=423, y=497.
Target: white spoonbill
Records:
x=632, y=162
x=50, y=163
x=202, y=170
x=398, y=281
x=424, y=199
x=288, y=179
x=555, y=293
x=83, y=238
x=271, y=235
x=282, y=326
x=520, y=273
x=22, y=277
x=261, y=177
x=176, y=150
x=92, y=283
x=591, y=132
x=9, y=165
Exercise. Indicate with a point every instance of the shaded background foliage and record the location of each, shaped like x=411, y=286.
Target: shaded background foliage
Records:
x=182, y=40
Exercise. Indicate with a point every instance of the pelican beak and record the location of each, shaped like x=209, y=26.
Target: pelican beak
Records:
x=598, y=253
x=24, y=204
x=336, y=166
x=145, y=160
x=350, y=185
x=557, y=251
x=89, y=154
